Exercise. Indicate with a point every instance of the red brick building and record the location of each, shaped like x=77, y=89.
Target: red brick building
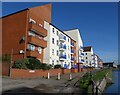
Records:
x=23, y=32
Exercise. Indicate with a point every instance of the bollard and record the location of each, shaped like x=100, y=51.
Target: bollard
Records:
x=48, y=76
x=70, y=76
x=58, y=76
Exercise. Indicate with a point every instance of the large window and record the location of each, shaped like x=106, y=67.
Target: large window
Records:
x=53, y=40
x=52, y=51
x=53, y=30
x=53, y=62
x=57, y=52
x=57, y=33
x=31, y=33
x=31, y=47
x=57, y=42
x=31, y=20
x=39, y=50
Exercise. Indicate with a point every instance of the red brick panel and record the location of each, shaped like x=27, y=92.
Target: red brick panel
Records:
x=21, y=73
x=5, y=69
x=66, y=71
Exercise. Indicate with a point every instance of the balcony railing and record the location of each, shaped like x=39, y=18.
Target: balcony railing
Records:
x=72, y=58
x=39, y=42
x=72, y=51
x=72, y=44
x=81, y=47
x=82, y=54
x=63, y=56
x=39, y=30
x=62, y=38
x=62, y=46
x=82, y=60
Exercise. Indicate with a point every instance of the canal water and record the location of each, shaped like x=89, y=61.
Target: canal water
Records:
x=114, y=88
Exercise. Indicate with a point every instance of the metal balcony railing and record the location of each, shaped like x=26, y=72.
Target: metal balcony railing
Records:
x=63, y=56
x=72, y=51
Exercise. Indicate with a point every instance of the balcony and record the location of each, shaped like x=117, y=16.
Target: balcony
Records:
x=82, y=60
x=72, y=44
x=38, y=42
x=62, y=57
x=32, y=53
x=62, y=47
x=72, y=59
x=72, y=51
x=37, y=29
x=82, y=54
x=62, y=38
x=81, y=48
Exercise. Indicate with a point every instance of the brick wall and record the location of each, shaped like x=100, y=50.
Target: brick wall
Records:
x=5, y=68
x=21, y=73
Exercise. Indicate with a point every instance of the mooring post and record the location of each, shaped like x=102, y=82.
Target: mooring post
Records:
x=48, y=75
x=70, y=76
x=58, y=76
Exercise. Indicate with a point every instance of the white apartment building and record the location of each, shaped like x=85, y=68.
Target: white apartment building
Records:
x=89, y=56
x=95, y=60
x=58, y=49
x=75, y=35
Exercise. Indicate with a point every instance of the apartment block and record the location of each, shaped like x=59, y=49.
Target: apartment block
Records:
x=23, y=32
x=75, y=35
x=60, y=47
x=89, y=56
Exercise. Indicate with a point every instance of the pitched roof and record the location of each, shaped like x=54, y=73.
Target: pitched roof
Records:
x=86, y=49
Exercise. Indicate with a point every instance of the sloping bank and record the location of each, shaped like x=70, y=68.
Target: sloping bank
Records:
x=97, y=83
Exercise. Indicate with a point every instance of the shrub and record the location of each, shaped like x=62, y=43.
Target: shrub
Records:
x=33, y=64
x=30, y=63
x=57, y=66
x=45, y=66
x=21, y=64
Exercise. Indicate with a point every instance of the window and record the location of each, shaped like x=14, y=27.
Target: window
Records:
x=52, y=51
x=57, y=33
x=40, y=25
x=68, y=47
x=68, y=55
x=52, y=62
x=39, y=50
x=31, y=47
x=31, y=33
x=53, y=30
x=53, y=40
x=57, y=62
x=57, y=53
x=68, y=39
x=86, y=53
x=86, y=57
x=57, y=42
x=31, y=20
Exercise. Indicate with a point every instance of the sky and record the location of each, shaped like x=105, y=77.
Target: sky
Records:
x=97, y=22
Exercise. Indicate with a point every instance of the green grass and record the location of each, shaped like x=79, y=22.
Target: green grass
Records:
x=101, y=74
x=85, y=80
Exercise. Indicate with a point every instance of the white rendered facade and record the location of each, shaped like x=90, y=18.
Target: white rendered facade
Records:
x=75, y=35
x=95, y=61
x=88, y=58
x=58, y=49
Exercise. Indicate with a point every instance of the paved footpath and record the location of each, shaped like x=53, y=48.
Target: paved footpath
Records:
x=40, y=85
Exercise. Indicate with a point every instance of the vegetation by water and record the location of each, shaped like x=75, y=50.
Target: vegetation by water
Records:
x=101, y=74
x=85, y=82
